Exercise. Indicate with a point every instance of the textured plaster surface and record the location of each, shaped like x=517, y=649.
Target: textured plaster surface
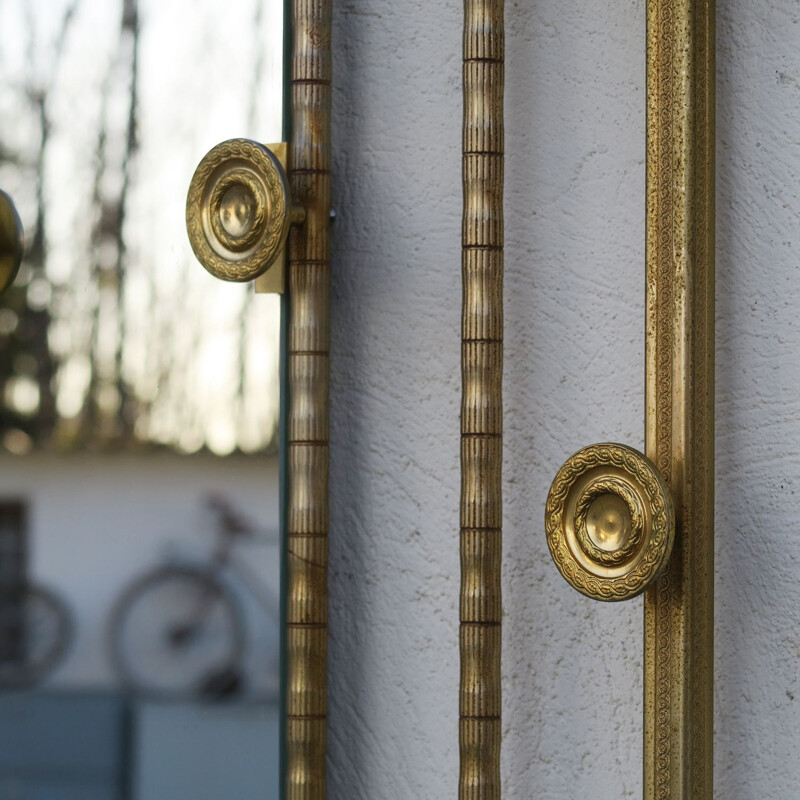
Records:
x=573, y=376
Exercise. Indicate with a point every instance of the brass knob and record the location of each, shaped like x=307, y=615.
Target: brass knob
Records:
x=610, y=522
x=12, y=241
x=239, y=209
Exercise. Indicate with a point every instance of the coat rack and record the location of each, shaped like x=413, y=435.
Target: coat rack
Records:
x=619, y=523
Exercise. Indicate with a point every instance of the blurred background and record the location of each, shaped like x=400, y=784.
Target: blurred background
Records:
x=139, y=559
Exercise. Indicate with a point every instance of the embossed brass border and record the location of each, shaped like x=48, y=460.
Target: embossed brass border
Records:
x=678, y=609
x=481, y=406
x=308, y=372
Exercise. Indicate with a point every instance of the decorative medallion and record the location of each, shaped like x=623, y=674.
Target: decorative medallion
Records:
x=610, y=522
x=237, y=210
x=12, y=241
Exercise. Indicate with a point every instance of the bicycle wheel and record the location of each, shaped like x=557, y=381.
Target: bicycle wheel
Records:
x=36, y=632
x=173, y=630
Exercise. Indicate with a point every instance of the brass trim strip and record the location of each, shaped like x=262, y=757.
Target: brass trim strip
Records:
x=481, y=408
x=308, y=367
x=678, y=609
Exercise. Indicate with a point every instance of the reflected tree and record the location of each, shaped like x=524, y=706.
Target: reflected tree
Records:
x=27, y=366
x=109, y=411
x=109, y=336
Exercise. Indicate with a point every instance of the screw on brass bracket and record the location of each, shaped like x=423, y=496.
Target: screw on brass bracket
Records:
x=238, y=213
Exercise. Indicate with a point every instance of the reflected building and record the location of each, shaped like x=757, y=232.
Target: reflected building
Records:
x=112, y=337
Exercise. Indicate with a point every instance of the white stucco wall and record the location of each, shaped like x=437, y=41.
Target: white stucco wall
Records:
x=573, y=376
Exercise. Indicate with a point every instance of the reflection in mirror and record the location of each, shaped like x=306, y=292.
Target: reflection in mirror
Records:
x=139, y=560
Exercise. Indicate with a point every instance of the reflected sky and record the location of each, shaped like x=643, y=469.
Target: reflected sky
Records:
x=114, y=336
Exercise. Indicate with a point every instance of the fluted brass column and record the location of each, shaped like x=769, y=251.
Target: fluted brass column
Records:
x=481, y=408
x=678, y=614
x=309, y=347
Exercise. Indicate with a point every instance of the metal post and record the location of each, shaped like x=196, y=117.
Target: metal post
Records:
x=309, y=350
x=481, y=408
x=679, y=612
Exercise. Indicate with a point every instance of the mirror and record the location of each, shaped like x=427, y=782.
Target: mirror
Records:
x=139, y=400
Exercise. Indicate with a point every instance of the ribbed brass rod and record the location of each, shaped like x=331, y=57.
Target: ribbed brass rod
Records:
x=308, y=354
x=678, y=614
x=481, y=405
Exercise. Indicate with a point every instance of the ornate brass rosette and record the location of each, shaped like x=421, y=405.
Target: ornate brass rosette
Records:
x=237, y=210
x=12, y=241
x=610, y=522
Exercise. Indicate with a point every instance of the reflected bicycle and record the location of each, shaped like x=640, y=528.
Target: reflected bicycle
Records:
x=179, y=631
